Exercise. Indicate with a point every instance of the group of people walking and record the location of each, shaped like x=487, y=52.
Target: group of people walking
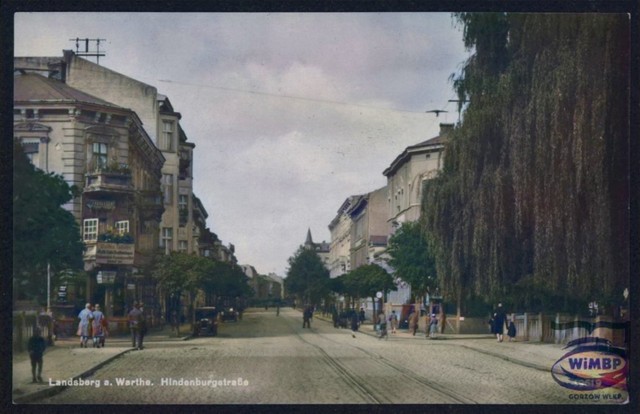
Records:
x=93, y=325
x=498, y=322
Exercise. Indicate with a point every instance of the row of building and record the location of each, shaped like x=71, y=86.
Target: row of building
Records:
x=121, y=143
x=365, y=222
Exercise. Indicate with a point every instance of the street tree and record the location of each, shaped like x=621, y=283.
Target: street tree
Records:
x=307, y=278
x=533, y=198
x=374, y=279
x=44, y=233
x=412, y=259
x=181, y=273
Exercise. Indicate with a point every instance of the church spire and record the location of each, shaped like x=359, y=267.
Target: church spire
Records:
x=309, y=241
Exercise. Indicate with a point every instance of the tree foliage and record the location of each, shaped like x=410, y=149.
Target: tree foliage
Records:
x=364, y=281
x=411, y=258
x=180, y=272
x=533, y=194
x=307, y=277
x=43, y=231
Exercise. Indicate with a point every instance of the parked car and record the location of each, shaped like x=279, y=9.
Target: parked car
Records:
x=229, y=315
x=205, y=321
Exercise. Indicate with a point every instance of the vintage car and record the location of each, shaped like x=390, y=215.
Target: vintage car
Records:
x=229, y=315
x=205, y=321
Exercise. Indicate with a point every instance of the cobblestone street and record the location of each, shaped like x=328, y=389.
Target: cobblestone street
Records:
x=269, y=359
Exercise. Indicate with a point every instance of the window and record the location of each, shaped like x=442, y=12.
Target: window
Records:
x=166, y=138
x=122, y=227
x=90, y=230
x=183, y=202
x=167, y=188
x=182, y=246
x=31, y=149
x=99, y=155
x=166, y=238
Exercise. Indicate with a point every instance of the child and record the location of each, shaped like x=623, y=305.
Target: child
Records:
x=433, y=326
x=511, y=331
x=36, y=347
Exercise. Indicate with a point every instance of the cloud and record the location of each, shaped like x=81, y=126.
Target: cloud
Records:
x=291, y=113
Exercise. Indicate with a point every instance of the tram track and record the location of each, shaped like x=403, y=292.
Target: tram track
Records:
x=379, y=394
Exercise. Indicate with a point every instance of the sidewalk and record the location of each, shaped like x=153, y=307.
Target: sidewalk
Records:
x=536, y=355
x=67, y=361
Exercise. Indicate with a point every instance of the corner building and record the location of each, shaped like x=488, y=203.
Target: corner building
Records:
x=104, y=150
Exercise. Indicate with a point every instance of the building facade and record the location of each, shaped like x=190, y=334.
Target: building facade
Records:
x=370, y=228
x=340, y=246
x=408, y=172
x=102, y=149
x=405, y=182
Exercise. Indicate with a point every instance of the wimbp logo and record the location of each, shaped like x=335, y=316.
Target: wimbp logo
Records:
x=593, y=365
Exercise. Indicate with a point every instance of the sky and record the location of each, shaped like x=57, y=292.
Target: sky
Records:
x=290, y=113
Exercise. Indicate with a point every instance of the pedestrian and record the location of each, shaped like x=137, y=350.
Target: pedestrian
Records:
x=413, y=322
x=500, y=319
x=142, y=326
x=135, y=316
x=382, y=327
x=334, y=317
x=36, y=347
x=433, y=326
x=99, y=327
x=306, y=317
x=393, y=321
x=361, y=316
x=354, y=323
x=511, y=330
x=175, y=325
x=84, y=326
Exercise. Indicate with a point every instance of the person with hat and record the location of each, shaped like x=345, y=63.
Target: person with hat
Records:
x=135, y=317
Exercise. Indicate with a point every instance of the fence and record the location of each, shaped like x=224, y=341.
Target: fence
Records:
x=537, y=327
x=540, y=328
x=24, y=323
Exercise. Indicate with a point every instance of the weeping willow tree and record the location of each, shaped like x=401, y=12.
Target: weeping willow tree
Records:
x=532, y=204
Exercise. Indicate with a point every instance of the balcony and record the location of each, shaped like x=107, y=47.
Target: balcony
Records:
x=150, y=205
x=110, y=253
x=109, y=181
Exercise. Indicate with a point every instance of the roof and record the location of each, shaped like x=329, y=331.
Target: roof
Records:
x=33, y=87
x=429, y=145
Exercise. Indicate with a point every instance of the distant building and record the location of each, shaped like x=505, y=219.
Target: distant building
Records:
x=323, y=249
x=369, y=228
x=340, y=247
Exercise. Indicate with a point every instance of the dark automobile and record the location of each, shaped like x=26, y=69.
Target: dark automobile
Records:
x=229, y=315
x=205, y=321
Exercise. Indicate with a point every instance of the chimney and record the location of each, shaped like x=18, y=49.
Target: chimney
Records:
x=445, y=129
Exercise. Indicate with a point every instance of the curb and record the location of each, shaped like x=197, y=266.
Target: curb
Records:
x=482, y=351
x=51, y=391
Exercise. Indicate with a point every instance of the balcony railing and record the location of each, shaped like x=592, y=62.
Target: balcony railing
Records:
x=110, y=253
x=111, y=181
x=150, y=205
